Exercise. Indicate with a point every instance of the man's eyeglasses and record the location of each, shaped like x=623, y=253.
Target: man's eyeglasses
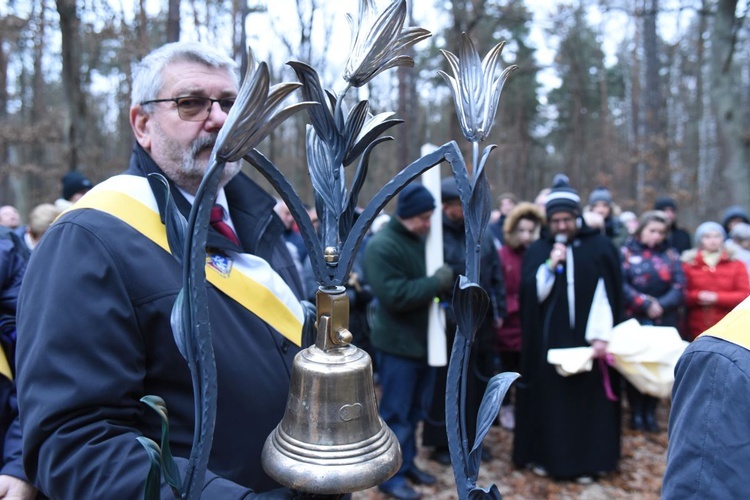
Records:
x=196, y=108
x=561, y=221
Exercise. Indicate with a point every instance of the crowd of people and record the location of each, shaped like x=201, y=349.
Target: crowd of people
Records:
x=87, y=310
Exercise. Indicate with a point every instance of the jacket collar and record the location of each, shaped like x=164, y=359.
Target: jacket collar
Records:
x=250, y=207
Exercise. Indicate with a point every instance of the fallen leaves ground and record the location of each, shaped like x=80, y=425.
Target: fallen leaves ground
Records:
x=639, y=474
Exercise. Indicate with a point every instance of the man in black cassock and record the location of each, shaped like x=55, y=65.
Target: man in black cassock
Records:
x=571, y=296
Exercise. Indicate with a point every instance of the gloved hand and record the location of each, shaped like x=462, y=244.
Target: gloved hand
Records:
x=444, y=275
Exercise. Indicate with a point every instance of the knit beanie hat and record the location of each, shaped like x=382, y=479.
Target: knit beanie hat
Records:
x=600, y=194
x=413, y=200
x=448, y=189
x=663, y=202
x=562, y=198
x=708, y=227
x=74, y=182
x=735, y=212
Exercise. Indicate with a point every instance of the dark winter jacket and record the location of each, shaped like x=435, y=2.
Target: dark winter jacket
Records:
x=395, y=268
x=12, y=268
x=679, y=239
x=95, y=337
x=652, y=273
x=490, y=273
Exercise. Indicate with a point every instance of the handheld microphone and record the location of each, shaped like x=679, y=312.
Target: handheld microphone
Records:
x=560, y=238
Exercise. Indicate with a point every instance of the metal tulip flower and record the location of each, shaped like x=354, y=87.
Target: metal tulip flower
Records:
x=379, y=41
x=476, y=85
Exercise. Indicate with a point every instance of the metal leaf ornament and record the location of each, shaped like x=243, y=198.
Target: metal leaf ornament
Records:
x=491, y=401
x=334, y=140
x=470, y=306
x=476, y=86
x=379, y=41
x=255, y=113
x=168, y=465
x=152, y=487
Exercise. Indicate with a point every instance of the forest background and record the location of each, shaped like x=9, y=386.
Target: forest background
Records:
x=644, y=97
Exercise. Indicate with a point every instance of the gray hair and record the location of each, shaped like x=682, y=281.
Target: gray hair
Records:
x=147, y=74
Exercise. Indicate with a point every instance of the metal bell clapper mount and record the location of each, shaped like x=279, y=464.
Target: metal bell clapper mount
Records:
x=331, y=439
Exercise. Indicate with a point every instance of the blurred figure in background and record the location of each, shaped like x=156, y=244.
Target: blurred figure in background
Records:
x=600, y=202
x=9, y=217
x=506, y=202
x=740, y=241
x=483, y=355
x=13, y=481
x=677, y=238
x=629, y=221
x=521, y=229
x=74, y=186
x=733, y=215
x=395, y=267
x=654, y=286
x=40, y=218
x=294, y=241
x=716, y=282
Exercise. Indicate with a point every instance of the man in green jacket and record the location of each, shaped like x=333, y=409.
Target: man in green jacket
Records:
x=395, y=268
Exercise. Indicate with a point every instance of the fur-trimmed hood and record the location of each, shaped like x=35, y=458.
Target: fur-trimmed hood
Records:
x=523, y=210
x=728, y=252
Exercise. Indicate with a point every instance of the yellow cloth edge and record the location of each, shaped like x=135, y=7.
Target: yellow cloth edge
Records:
x=5, y=366
x=734, y=327
x=252, y=295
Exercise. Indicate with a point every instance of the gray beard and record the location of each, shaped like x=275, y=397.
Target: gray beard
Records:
x=191, y=168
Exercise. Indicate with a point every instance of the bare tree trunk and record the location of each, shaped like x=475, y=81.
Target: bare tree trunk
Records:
x=734, y=152
x=173, y=21
x=635, y=109
x=75, y=121
x=655, y=136
x=407, y=149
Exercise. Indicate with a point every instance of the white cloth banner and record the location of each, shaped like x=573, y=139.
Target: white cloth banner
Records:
x=437, y=350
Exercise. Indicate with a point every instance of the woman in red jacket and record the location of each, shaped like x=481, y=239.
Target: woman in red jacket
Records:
x=716, y=282
x=521, y=229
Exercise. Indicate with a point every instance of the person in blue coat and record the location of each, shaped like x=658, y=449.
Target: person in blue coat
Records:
x=709, y=439
x=94, y=331
x=13, y=481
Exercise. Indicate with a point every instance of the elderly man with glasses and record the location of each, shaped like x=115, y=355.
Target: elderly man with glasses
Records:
x=571, y=296
x=94, y=313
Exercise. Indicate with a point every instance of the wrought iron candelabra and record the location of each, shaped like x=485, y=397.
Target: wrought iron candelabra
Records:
x=339, y=445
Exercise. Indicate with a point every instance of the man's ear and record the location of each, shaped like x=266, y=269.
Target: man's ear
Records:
x=140, y=123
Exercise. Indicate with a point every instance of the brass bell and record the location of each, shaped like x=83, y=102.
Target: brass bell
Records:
x=331, y=439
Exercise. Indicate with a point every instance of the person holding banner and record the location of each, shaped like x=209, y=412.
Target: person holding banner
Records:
x=94, y=332
x=395, y=268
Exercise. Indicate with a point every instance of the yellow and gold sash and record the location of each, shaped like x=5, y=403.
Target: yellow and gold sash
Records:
x=5, y=366
x=734, y=327
x=250, y=281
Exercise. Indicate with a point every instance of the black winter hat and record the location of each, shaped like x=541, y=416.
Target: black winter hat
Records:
x=734, y=212
x=413, y=200
x=448, y=189
x=663, y=202
x=74, y=182
x=562, y=198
